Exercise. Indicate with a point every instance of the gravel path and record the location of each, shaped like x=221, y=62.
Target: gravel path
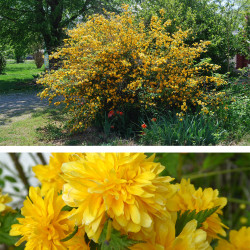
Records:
x=16, y=106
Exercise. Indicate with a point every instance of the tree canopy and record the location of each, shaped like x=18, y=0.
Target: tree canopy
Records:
x=25, y=22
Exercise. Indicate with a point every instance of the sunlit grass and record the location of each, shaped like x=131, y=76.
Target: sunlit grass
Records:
x=19, y=76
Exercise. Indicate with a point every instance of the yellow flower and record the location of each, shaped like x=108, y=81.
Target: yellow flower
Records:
x=188, y=198
x=4, y=198
x=44, y=224
x=242, y=206
x=164, y=237
x=243, y=220
x=50, y=175
x=78, y=241
x=123, y=186
x=238, y=240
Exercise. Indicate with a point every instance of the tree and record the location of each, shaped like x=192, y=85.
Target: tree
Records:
x=47, y=19
x=209, y=20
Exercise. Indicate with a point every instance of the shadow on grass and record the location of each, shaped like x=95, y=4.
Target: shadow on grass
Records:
x=56, y=133
x=14, y=106
x=16, y=85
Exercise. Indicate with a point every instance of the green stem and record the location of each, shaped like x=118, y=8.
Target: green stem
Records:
x=179, y=167
x=202, y=175
x=109, y=230
x=234, y=200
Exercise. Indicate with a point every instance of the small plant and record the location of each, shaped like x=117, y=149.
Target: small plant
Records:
x=168, y=129
x=50, y=132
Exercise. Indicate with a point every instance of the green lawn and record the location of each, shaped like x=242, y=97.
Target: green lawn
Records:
x=24, y=130
x=45, y=127
x=19, y=76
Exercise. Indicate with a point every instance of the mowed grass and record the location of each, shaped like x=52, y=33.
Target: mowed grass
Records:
x=24, y=131
x=45, y=127
x=19, y=77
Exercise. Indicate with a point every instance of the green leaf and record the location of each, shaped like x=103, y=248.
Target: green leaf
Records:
x=16, y=189
x=66, y=208
x=184, y=218
x=10, y=178
x=170, y=162
x=2, y=184
x=117, y=241
x=5, y=225
x=1, y=171
x=71, y=235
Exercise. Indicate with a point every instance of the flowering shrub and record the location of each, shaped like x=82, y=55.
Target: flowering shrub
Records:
x=108, y=63
x=119, y=201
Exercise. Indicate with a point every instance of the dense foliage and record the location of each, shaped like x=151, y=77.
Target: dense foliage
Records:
x=25, y=24
x=215, y=21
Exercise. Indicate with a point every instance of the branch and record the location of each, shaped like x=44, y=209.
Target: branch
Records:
x=8, y=18
x=83, y=9
x=19, y=168
x=42, y=159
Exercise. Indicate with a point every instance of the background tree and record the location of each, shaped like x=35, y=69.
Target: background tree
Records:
x=46, y=20
x=209, y=20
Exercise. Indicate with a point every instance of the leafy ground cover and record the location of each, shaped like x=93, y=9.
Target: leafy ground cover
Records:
x=19, y=76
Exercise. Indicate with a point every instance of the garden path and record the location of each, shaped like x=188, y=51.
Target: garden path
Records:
x=18, y=106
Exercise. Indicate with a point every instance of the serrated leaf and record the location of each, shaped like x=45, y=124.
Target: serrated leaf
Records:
x=10, y=178
x=184, y=218
x=5, y=238
x=5, y=225
x=117, y=241
x=71, y=235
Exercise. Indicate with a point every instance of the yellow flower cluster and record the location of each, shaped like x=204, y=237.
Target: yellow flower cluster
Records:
x=4, y=198
x=107, y=63
x=164, y=237
x=238, y=240
x=188, y=198
x=127, y=190
x=50, y=175
x=44, y=225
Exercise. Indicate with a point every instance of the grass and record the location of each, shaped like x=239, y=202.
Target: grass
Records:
x=19, y=76
x=46, y=128
x=23, y=132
